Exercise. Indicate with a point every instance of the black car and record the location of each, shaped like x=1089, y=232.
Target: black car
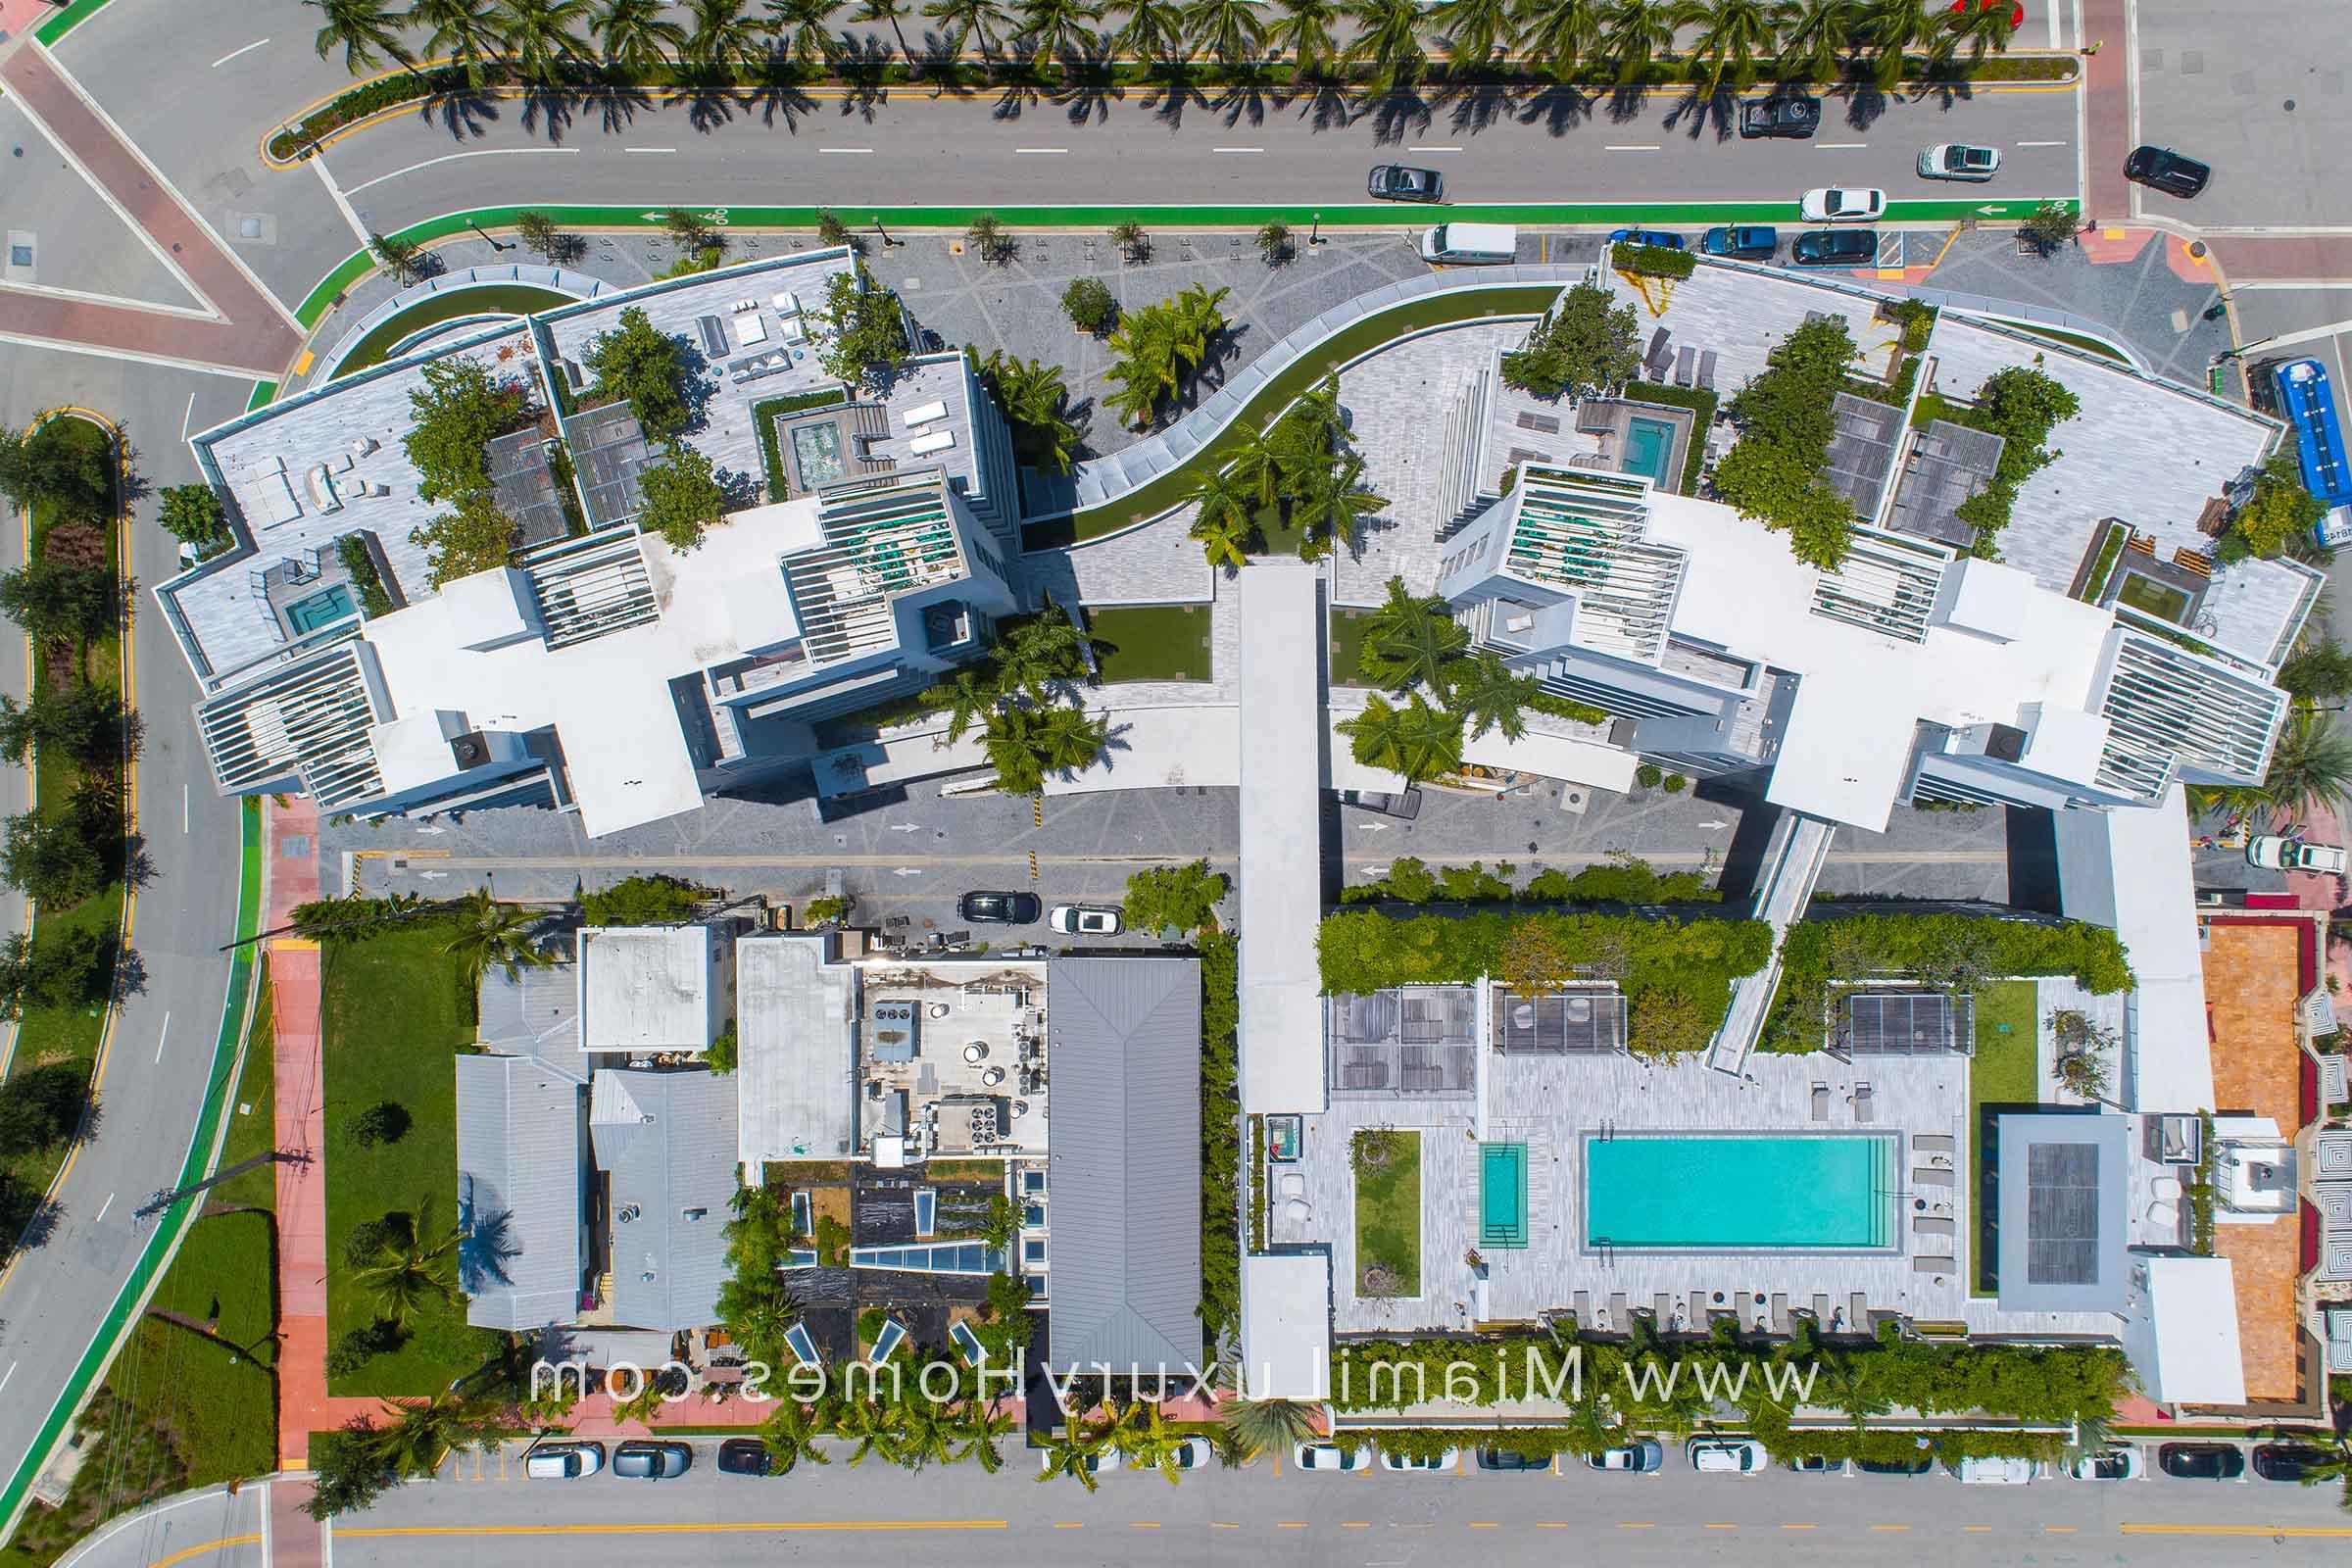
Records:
x=1747, y=242
x=2287, y=1461
x=643, y=1460
x=1512, y=1459
x=1793, y=115
x=1894, y=1467
x=1401, y=182
x=2202, y=1461
x=1000, y=909
x=1404, y=806
x=1836, y=247
x=2162, y=169
x=743, y=1456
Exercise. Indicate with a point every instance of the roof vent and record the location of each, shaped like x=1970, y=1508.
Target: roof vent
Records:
x=469, y=749
x=628, y=1212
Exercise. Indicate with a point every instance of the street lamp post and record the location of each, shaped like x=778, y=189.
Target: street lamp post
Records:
x=1315, y=234
x=495, y=245
x=887, y=242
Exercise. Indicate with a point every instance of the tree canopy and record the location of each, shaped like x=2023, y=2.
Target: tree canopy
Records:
x=647, y=370
x=1583, y=344
x=680, y=497
x=1773, y=473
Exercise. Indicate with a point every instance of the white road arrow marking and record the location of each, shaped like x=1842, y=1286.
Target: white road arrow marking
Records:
x=906, y=827
x=433, y=876
x=1373, y=827
x=908, y=871
x=1994, y=211
x=1715, y=827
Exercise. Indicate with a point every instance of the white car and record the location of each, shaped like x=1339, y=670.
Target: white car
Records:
x=2012, y=1472
x=1956, y=159
x=1734, y=1456
x=1331, y=1457
x=562, y=1461
x=1084, y=920
x=1100, y=1462
x=2274, y=852
x=1193, y=1453
x=1430, y=1465
x=2110, y=1464
x=1835, y=203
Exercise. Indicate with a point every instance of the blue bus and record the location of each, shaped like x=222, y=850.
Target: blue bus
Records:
x=2309, y=408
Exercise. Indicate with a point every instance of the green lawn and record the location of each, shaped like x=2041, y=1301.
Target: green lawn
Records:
x=1347, y=627
x=226, y=1275
x=1387, y=1218
x=2002, y=1073
x=491, y=299
x=392, y=1018
x=2072, y=340
x=1153, y=642
x=253, y=1114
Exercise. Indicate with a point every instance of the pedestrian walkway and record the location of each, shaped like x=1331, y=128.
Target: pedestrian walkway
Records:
x=2106, y=111
x=296, y=1540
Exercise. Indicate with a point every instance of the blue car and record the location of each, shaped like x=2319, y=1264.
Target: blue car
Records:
x=1646, y=236
x=1747, y=242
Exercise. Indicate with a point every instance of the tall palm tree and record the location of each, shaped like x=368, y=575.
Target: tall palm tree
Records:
x=1194, y=321
x=1147, y=365
x=1986, y=27
x=1490, y=696
x=1731, y=34
x=365, y=31
x=422, y=1431
x=1033, y=396
x=980, y=1424
x=1476, y=30
x=1147, y=1442
x=1329, y=501
x=925, y=1430
x=1224, y=521
x=490, y=934
x=719, y=36
x=1387, y=44
x=1635, y=33
x=990, y=19
x=1813, y=34
x=1154, y=33
x=410, y=1273
x=1058, y=27
x=543, y=35
x=1232, y=30
x=1038, y=655
x=2334, y=1466
x=1416, y=740
x=2311, y=765
x=1410, y=642
x=637, y=35
x=1026, y=744
x=790, y=1436
x=1260, y=1425
x=890, y=11
x=1558, y=35
x=1070, y=1452
x=1305, y=31
x=463, y=32
x=1889, y=28
x=805, y=29
x=967, y=697
x=1256, y=464
x=867, y=1424
x=1315, y=425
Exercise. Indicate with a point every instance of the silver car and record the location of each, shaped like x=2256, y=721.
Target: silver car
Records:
x=1954, y=159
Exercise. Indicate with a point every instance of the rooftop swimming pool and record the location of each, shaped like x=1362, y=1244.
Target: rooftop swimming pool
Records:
x=322, y=609
x=1741, y=1193
x=1649, y=451
x=1502, y=1194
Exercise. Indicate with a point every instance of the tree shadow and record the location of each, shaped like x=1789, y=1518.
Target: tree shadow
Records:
x=549, y=107
x=135, y=486
x=1248, y=90
x=1626, y=103
x=1865, y=104
x=1088, y=87
x=939, y=66
x=617, y=108
x=1324, y=101
x=1020, y=85
x=780, y=94
x=1177, y=89
x=130, y=973
x=1696, y=109
x=467, y=113
x=1471, y=109
x=1558, y=108
x=864, y=72
x=1396, y=115
x=709, y=102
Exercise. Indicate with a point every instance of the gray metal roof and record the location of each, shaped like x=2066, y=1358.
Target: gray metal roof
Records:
x=535, y=1014
x=2065, y=1182
x=1123, y=1043
x=665, y=1142
x=521, y=1166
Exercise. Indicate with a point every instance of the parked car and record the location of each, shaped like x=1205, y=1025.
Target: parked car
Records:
x=2202, y=1461
x=1792, y=116
x=1836, y=247
x=1193, y=1453
x=1816, y=1464
x=1957, y=160
x=562, y=1461
x=1643, y=1456
x=1404, y=808
x=2289, y=1462
x=1917, y=1465
x=1422, y=1465
x=1843, y=203
x=1401, y=182
x=1735, y=1457
x=1747, y=242
x=2162, y=169
x=1646, y=236
x=2274, y=852
x=743, y=1456
x=1085, y=920
x=644, y=1459
x=1000, y=909
x=2110, y=1464
x=1331, y=1457
x=1988, y=1472
x=1513, y=1461
x=1101, y=1461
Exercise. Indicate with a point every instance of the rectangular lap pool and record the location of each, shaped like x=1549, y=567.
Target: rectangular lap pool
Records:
x=1649, y=451
x=1735, y=1192
x=322, y=609
x=1502, y=1194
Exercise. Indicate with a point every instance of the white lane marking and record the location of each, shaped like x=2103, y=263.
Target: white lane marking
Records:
x=183, y=789
x=450, y=158
x=342, y=202
x=162, y=1034
x=1039, y=152
x=1839, y=146
x=1632, y=147
x=2042, y=145
x=234, y=52
x=845, y=149
x=103, y=1208
x=188, y=414
x=1433, y=149
x=10, y=1373
x=1237, y=149
x=648, y=149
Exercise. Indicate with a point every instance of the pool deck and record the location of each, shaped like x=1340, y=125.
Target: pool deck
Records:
x=1550, y=1102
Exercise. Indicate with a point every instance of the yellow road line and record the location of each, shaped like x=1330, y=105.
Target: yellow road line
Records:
x=1800, y=1526
x=2299, y=1532
x=746, y=1527
x=1721, y=1527
x=1068, y=1524
x=1143, y=1524
x=1890, y=1527
x=1354, y=1524
x=1632, y=1524
x=193, y=1552
x=2059, y=1530
x=1291, y=1524
x=1974, y=1530
x=1223, y=1523
x=1484, y=1524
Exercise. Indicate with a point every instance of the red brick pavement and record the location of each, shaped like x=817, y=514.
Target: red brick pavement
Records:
x=2106, y=112
x=296, y=1540
x=254, y=335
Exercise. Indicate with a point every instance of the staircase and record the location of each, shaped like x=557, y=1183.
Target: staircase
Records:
x=1792, y=862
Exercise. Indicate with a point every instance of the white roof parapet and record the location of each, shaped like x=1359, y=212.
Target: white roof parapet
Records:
x=1281, y=681
x=2180, y=1331
x=1286, y=1326
x=647, y=989
x=795, y=1051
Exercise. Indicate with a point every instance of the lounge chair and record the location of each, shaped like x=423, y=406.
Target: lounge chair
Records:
x=1865, y=1103
x=1617, y=1311
x=1930, y=1266
x=1928, y=1225
x=1821, y=1101
x=1581, y=1303
x=1780, y=1313
x=1931, y=1176
x=1299, y=1209
x=1706, y=371
x=1293, y=1184
x=1931, y=1144
x=1658, y=355
x=1661, y=1307
x=1857, y=1312
x=1821, y=1309
x=1683, y=359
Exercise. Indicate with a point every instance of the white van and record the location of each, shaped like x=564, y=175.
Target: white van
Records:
x=2009, y=1472
x=564, y=1461
x=1471, y=244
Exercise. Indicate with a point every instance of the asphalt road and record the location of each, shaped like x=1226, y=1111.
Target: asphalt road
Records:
x=2261, y=99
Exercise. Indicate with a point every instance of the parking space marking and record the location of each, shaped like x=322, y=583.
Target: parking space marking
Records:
x=1237, y=149
x=1839, y=146
x=2042, y=145
x=1433, y=149
x=1632, y=147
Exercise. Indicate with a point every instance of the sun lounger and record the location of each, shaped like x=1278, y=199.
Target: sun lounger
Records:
x=923, y=413
x=1930, y=1266
x=1581, y=1304
x=1930, y=1226
x=1685, y=358
x=1931, y=1176
x=1780, y=1313
x=1931, y=1144
x=1706, y=371
x=1821, y=1309
x=1617, y=1311
x=1661, y=1307
x=936, y=441
x=1821, y=1101
x=1857, y=1312
x=1865, y=1104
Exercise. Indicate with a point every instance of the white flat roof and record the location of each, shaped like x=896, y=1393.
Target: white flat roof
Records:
x=1286, y=1325
x=2186, y=1346
x=796, y=1057
x=1281, y=681
x=647, y=988
x=2128, y=869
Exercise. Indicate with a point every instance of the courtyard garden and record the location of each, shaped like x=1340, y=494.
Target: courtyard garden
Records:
x=1151, y=642
x=2003, y=1073
x=1387, y=1161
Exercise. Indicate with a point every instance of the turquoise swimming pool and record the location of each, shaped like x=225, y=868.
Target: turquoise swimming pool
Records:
x=1649, y=451
x=1741, y=1193
x=1502, y=1194
x=322, y=609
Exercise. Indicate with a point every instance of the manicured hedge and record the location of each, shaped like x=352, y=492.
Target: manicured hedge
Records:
x=1220, y=1135
x=1651, y=261
x=764, y=420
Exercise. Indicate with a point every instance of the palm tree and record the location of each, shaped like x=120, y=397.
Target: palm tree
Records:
x=1037, y=655
x=465, y=31
x=1409, y=641
x=637, y=35
x=1224, y=521
x=2311, y=765
x=2335, y=1465
x=1313, y=427
x=1194, y=321
x=364, y=30
x=1731, y=34
x=541, y=35
x=963, y=18
x=926, y=1432
x=1058, y=27
x=1233, y=31
x=890, y=11
x=1127, y=234
x=1476, y=30
x=967, y=697
x=1260, y=1425
x=719, y=36
x=1305, y=31
x=1891, y=26
x=352, y=919
x=868, y=1425
x=1416, y=740
x=422, y=1431
x=493, y=934
x=805, y=29
x=1986, y=27
x=1026, y=744
x=1146, y=364
x=1256, y=465
x=790, y=1436
x=1558, y=35
x=1070, y=1452
x=1329, y=501
x=1153, y=35
x=1032, y=395
x=979, y=1424
x=1488, y=696
x=1812, y=34
x=1635, y=33
x=1388, y=43
x=1147, y=1442
x=408, y=1274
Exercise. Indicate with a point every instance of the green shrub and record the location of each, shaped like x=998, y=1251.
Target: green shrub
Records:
x=719, y=1054
x=1584, y=343
x=1774, y=472
x=1957, y=951
x=1185, y=897
x=868, y=327
x=1220, y=1136
x=1648, y=776
x=384, y=1122
x=643, y=901
x=1652, y=261
x=1089, y=305
x=1676, y=783
x=359, y=564
x=2020, y=405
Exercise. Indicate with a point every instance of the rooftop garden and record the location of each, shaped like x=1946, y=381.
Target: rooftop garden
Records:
x=1151, y=642
x=2003, y=1074
x=1773, y=473
x=1387, y=1163
x=462, y=407
x=1583, y=344
x=2022, y=406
